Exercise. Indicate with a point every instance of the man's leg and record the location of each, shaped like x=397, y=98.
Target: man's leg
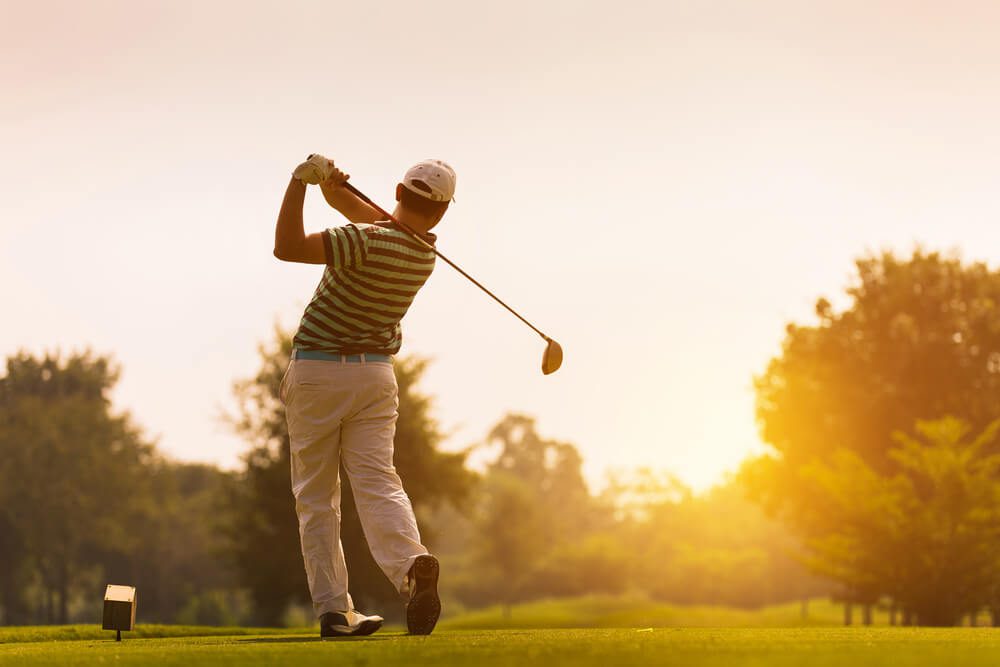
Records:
x=367, y=449
x=383, y=506
x=314, y=411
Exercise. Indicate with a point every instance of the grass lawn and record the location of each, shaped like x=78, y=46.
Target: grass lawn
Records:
x=604, y=611
x=816, y=647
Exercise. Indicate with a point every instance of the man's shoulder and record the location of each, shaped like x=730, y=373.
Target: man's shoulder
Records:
x=380, y=228
x=370, y=228
x=365, y=232
x=371, y=231
x=390, y=235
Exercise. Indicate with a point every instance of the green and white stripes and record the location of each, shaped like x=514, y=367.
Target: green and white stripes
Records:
x=373, y=273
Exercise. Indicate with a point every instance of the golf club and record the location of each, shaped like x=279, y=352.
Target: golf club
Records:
x=553, y=355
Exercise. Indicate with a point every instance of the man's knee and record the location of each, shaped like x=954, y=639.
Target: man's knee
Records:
x=317, y=502
x=312, y=515
x=374, y=479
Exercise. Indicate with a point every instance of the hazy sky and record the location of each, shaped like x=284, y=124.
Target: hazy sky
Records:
x=660, y=186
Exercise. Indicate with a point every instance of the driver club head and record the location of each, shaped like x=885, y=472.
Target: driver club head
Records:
x=552, y=358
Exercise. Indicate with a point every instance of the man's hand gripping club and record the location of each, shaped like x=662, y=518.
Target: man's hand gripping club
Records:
x=290, y=241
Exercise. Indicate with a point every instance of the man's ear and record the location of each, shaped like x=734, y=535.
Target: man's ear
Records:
x=399, y=191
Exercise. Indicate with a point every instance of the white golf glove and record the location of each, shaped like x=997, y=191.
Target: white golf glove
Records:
x=314, y=170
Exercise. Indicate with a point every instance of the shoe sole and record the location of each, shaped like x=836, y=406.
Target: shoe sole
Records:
x=424, y=608
x=364, y=628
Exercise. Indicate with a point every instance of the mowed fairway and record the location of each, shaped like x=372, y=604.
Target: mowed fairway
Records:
x=480, y=648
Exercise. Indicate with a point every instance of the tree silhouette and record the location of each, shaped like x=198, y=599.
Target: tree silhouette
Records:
x=919, y=339
x=72, y=472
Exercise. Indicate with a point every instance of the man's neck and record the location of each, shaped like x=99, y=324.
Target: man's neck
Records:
x=417, y=223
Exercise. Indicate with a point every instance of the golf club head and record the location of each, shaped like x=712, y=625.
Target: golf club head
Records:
x=552, y=359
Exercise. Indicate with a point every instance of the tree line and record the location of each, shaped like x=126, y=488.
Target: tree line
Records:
x=880, y=485
x=86, y=499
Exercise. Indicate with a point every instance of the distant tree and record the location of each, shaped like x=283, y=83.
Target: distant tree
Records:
x=927, y=535
x=70, y=469
x=714, y=547
x=919, y=338
x=14, y=562
x=535, y=521
x=13, y=555
x=511, y=541
x=535, y=531
x=265, y=532
x=177, y=552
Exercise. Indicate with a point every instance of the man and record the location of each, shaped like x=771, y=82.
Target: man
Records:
x=340, y=391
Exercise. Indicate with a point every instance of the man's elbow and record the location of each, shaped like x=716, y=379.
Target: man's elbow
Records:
x=309, y=251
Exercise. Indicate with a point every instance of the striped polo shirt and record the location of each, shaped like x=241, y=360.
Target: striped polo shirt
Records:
x=372, y=274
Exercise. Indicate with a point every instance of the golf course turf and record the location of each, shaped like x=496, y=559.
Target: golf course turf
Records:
x=816, y=647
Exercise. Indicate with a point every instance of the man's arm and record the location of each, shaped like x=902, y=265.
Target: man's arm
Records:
x=348, y=203
x=290, y=241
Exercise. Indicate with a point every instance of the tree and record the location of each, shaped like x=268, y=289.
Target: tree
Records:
x=920, y=338
x=70, y=470
x=265, y=533
x=927, y=535
x=177, y=554
x=715, y=547
x=14, y=564
x=535, y=521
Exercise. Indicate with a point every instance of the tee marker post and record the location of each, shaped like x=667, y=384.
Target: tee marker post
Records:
x=119, y=609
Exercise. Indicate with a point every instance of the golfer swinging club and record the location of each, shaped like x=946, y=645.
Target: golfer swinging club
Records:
x=340, y=391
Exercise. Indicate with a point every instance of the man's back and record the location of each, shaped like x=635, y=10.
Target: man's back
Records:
x=372, y=275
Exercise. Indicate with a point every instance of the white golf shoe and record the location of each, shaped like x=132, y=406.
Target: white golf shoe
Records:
x=347, y=624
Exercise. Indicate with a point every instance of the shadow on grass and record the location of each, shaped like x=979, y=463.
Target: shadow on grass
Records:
x=297, y=640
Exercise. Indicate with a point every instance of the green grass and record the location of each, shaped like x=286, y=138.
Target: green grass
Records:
x=598, y=631
x=47, y=633
x=582, y=612
x=693, y=647
x=634, y=612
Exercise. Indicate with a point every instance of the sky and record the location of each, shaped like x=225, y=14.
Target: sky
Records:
x=659, y=186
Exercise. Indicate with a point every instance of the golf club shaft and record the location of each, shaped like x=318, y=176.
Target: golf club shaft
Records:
x=452, y=264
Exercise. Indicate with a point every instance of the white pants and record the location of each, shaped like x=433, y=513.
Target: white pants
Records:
x=338, y=411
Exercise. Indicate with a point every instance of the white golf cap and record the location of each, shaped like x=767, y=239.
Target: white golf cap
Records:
x=433, y=179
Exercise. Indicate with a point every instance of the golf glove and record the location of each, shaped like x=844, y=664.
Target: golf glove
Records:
x=314, y=170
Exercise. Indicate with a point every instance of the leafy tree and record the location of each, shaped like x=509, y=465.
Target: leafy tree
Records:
x=534, y=509
x=265, y=531
x=14, y=563
x=71, y=468
x=716, y=547
x=927, y=535
x=538, y=532
x=920, y=337
x=178, y=552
